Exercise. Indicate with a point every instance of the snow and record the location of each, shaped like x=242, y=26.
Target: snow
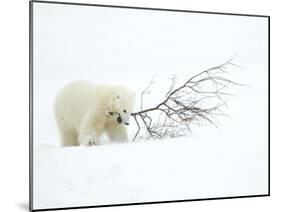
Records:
x=121, y=46
x=143, y=172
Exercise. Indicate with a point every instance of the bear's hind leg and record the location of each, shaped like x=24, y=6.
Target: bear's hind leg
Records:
x=68, y=137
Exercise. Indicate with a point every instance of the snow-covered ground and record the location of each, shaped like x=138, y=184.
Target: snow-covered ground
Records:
x=186, y=168
x=128, y=47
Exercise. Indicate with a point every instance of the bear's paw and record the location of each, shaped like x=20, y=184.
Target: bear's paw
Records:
x=88, y=139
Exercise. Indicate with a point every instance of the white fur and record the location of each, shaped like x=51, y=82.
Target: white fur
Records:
x=82, y=112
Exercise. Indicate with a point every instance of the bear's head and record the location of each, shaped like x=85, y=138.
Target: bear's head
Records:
x=122, y=103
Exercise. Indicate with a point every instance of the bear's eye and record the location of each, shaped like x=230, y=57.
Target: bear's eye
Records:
x=125, y=111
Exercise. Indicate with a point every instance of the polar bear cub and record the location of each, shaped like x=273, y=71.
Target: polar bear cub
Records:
x=85, y=111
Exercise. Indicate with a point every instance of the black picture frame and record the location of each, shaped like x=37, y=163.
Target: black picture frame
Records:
x=133, y=8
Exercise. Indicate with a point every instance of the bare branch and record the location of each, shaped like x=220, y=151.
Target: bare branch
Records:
x=146, y=91
x=173, y=79
x=198, y=100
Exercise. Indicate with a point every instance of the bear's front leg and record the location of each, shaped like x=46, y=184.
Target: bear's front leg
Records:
x=91, y=129
x=117, y=132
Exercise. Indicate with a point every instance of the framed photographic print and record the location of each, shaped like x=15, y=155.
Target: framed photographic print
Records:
x=132, y=105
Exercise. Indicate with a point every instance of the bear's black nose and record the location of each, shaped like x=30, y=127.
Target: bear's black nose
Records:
x=126, y=123
x=119, y=120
